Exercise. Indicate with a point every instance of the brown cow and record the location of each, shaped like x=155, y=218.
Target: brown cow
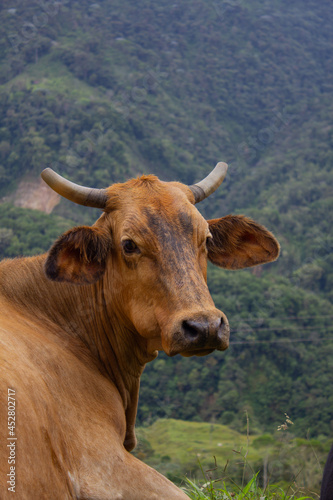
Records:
x=72, y=356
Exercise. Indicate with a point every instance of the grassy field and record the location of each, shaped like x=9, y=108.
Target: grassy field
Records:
x=222, y=461
x=51, y=76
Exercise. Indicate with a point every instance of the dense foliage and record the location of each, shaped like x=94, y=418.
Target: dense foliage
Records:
x=104, y=91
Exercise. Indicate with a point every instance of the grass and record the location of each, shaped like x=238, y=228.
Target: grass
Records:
x=229, y=489
x=290, y=467
x=197, y=439
x=52, y=76
x=250, y=491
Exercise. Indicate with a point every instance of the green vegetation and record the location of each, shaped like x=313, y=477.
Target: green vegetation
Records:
x=28, y=232
x=222, y=459
x=105, y=91
x=250, y=491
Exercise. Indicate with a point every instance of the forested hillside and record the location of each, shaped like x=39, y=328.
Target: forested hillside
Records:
x=105, y=91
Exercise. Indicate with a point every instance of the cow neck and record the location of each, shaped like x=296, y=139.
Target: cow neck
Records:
x=80, y=312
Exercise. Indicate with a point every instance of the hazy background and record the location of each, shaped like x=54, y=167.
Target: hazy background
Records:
x=105, y=91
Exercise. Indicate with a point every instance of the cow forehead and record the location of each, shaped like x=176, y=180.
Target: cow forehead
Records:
x=164, y=226
x=148, y=188
x=153, y=207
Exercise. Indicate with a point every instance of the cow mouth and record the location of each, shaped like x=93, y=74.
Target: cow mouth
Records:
x=200, y=353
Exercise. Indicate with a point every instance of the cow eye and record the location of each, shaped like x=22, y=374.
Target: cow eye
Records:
x=129, y=246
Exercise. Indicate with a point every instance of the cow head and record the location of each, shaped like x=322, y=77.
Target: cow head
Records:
x=150, y=249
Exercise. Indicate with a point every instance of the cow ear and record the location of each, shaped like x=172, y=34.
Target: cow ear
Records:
x=239, y=242
x=79, y=256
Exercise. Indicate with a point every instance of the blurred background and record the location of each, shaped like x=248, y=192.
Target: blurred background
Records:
x=102, y=92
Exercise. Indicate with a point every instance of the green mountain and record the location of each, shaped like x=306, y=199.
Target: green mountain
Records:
x=105, y=91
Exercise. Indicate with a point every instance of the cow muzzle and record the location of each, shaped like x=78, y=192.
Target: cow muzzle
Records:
x=198, y=335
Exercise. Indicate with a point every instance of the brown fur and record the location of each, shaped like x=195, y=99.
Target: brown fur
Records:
x=79, y=256
x=240, y=242
x=74, y=354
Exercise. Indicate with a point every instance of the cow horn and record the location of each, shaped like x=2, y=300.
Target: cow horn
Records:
x=209, y=184
x=81, y=195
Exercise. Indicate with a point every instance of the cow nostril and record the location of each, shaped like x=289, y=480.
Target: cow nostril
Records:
x=223, y=333
x=222, y=326
x=193, y=329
